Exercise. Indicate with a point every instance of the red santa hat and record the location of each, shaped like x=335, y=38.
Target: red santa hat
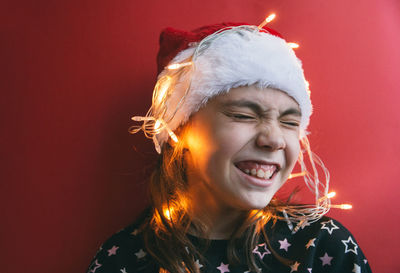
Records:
x=195, y=66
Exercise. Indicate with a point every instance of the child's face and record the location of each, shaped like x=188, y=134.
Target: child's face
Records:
x=243, y=146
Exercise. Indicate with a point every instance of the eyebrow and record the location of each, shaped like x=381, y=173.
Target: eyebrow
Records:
x=258, y=108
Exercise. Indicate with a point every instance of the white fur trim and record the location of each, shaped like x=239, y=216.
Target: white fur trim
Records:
x=238, y=57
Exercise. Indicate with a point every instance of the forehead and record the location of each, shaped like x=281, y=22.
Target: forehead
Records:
x=268, y=98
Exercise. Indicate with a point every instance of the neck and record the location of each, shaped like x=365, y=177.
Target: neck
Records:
x=219, y=219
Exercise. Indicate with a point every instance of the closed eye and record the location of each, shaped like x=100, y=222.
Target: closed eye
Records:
x=291, y=123
x=239, y=116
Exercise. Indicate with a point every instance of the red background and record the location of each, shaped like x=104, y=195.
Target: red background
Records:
x=74, y=72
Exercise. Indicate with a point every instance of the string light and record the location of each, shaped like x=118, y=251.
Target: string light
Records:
x=342, y=206
x=155, y=124
x=161, y=88
x=177, y=66
x=168, y=212
x=293, y=175
x=331, y=194
x=267, y=20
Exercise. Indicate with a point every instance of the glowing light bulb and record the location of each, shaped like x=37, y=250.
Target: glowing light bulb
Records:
x=308, y=87
x=167, y=214
x=346, y=206
x=267, y=20
x=177, y=66
x=157, y=124
x=162, y=87
x=342, y=206
x=270, y=18
x=293, y=45
x=331, y=194
x=173, y=136
x=293, y=175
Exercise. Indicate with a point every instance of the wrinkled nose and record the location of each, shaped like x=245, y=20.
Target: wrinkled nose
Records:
x=271, y=137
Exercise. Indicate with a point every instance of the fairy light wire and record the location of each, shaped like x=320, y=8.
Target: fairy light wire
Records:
x=157, y=118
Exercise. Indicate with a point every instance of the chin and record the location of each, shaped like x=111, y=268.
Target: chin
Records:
x=257, y=203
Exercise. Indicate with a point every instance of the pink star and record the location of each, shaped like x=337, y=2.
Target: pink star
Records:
x=94, y=268
x=112, y=251
x=326, y=259
x=223, y=268
x=284, y=244
x=261, y=250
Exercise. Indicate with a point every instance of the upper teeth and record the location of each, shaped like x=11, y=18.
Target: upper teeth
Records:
x=259, y=173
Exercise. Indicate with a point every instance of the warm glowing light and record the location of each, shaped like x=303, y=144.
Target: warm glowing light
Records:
x=168, y=212
x=136, y=118
x=346, y=206
x=267, y=20
x=293, y=175
x=342, y=206
x=162, y=87
x=331, y=194
x=293, y=45
x=270, y=18
x=177, y=66
x=157, y=124
x=308, y=87
x=173, y=136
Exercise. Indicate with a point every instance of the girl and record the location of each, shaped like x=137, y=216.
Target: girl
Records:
x=229, y=115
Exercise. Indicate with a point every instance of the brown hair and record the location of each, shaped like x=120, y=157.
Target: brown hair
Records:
x=165, y=232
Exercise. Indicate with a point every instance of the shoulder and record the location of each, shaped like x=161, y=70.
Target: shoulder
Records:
x=325, y=245
x=122, y=252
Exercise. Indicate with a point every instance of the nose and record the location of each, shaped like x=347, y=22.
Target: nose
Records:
x=271, y=137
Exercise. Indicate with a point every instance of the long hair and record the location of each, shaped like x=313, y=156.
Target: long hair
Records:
x=165, y=232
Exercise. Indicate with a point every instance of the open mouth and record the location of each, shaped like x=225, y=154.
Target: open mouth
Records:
x=258, y=169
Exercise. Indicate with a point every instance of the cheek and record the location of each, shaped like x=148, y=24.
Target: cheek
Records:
x=292, y=151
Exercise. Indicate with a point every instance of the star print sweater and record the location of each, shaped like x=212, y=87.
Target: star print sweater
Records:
x=322, y=247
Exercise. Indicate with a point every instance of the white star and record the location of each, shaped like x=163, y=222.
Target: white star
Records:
x=356, y=269
x=330, y=222
x=351, y=249
x=94, y=268
x=223, y=268
x=264, y=250
x=311, y=243
x=326, y=259
x=113, y=250
x=365, y=261
x=284, y=244
x=294, y=267
x=198, y=264
x=140, y=254
x=123, y=270
x=309, y=270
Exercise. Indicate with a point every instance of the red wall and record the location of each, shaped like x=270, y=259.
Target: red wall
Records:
x=74, y=72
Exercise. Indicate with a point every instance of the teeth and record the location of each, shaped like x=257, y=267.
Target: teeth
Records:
x=260, y=173
x=268, y=174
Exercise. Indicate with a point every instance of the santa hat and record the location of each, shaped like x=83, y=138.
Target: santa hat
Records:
x=198, y=65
